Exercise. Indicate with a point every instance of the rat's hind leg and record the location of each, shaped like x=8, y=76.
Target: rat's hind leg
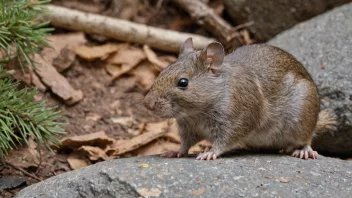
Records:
x=305, y=153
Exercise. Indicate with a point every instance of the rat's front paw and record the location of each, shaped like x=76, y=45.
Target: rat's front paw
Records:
x=173, y=154
x=207, y=156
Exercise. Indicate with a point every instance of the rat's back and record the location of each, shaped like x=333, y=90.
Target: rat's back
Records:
x=290, y=100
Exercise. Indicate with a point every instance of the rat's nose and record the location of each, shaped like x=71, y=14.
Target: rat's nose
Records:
x=149, y=102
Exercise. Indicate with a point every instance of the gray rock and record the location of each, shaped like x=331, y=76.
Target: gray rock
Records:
x=234, y=176
x=326, y=41
x=271, y=17
x=9, y=182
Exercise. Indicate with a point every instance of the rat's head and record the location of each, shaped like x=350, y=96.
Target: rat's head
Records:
x=189, y=85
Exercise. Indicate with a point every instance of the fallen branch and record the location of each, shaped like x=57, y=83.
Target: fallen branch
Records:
x=122, y=30
x=207, y=18
x=23, y=171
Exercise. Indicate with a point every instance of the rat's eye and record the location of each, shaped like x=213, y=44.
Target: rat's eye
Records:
x=182, y=83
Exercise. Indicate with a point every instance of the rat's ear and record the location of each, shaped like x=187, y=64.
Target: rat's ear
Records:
x=212, y=56
x=186, y=47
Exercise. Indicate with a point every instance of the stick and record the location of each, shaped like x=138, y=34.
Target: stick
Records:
x=207, y=18
x=122, y=30
x=23, y=171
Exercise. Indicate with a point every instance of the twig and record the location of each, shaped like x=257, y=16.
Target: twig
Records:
x=207, y=18
x=23, y=171
x=122, y=30
x=240, y=26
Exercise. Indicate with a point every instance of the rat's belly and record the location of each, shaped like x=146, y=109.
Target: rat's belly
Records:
x=279, y=136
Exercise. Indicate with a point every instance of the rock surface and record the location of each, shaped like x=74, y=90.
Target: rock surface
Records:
x=234, y=176
x=324, y=46
x=271, y=17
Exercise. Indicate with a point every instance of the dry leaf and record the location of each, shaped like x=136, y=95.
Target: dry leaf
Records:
x=23, y=157
x=156, y=147
x=49, y=75
x=198, y=192
x=144, y=75
x=173, y=136
x=94, y=153
x=61, y=41
x=201, y=146
x=99, y=139
x=283, y=180
x=123, y=61
x=154, y=131
x=64, y=60
x=77, y=160
x=144, y=192
x=28, y=76
x=56, y=82
x=168, y=59
x=205, y=143
x=91, y=53
x=195, y=149
x=153, y=58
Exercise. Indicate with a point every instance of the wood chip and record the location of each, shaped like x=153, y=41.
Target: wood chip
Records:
x=283, y=180
x=269, y=177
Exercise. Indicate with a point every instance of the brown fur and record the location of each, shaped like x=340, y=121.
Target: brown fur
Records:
x=258, y=96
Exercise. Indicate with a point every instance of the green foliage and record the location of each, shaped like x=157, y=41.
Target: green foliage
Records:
x=21, y=117
x=21, y=31
x=22, y=34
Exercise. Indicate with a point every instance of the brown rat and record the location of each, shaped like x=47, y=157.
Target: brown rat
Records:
x=258, y=96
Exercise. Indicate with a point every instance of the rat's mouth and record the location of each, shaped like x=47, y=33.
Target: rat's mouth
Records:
x=163, y=113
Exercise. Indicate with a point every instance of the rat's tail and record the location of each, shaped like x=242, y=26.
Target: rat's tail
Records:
x=326, y=121
x=329, y=139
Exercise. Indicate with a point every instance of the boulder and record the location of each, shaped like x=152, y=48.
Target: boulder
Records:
x=324, y=46
x=232, y=176
x=271, y=17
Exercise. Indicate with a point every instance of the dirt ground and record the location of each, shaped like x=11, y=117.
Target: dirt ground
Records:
x=103, y=100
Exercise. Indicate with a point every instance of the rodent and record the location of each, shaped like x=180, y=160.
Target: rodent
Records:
x=257, y=97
